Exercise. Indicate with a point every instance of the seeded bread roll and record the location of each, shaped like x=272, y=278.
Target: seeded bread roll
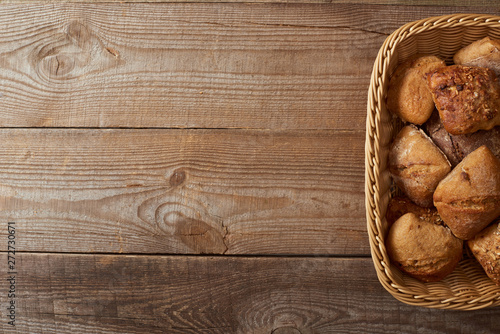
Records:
x=457, y=147
x=468, y=199
x=400, y=205
x=417, y=165
x=467, y=98
x=408, y=95
x=426, y=251
x=486, y=249
x=483, y=53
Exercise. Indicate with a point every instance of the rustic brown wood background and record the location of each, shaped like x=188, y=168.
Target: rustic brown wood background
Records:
x=197, y=167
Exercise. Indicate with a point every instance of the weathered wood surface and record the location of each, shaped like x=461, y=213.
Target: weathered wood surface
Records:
x=454, y=3
x=163, y=294
x=184, y=191
x=228, y=65
x=157, y=132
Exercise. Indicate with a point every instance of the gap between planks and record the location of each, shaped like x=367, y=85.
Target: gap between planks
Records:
x=241, y=256
x=277, y=130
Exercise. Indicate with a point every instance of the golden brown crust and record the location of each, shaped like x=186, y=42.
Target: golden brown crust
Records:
x=408, y=95
x=426, y=251
x=468, y=199
x=417, y=165
x=400, y=205
x=483, y=53
x=457, y=147
x=486, y=249
x=467, y=98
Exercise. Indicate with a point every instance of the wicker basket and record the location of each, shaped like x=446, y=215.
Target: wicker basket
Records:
x=468, y=287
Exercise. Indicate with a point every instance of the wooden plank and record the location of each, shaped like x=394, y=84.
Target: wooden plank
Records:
x=203, y=65
x=187, y=65
x=162, y=294
x=184, y=191
x=449, y=3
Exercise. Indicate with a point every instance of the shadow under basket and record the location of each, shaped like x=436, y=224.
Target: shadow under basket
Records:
x=468, y=287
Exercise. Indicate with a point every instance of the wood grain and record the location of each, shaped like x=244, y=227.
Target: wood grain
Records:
x=158, y=294
x=202, y=65
x=454, y=3
x=117, y=136
x=184, y=191
x=198, y=65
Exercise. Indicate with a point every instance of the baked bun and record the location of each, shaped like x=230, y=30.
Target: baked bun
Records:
x=400, y=205
x=486, y=249
x=457, y=147
x=483, y=53
x=467, y=98
x=468, y=199
x=423, y=250
x=417, y=165
x=408, y=95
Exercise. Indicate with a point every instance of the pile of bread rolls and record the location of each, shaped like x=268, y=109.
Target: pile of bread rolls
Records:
x=446, y=162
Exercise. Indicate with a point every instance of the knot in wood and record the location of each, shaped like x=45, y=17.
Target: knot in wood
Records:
x=79, y=35
x=200, y=236
x=65, y=51
x=178, y=177
x=58, y=65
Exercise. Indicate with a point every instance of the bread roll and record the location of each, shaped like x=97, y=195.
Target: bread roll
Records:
x=426, y=251
x=467, y=98
x=408, y=95
x=400, y=205
x=486, y=249
x=483, y=53
x=457, y=147
x=417, y=165
x=468, y=199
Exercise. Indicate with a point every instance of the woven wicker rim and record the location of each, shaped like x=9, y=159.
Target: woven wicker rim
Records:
x=468, y=288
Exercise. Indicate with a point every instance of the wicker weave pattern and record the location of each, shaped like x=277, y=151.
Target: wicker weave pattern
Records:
x=468, y=287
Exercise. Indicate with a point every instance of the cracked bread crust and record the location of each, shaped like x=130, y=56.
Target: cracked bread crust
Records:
x=486, y=249
x=400, y=205
x=468, y=199
x=457, y=147
x=422, y=249
x=417, y=165
x=483, y=53
x=467, y=98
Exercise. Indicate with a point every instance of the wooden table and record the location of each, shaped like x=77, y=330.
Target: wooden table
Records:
x=178, y=167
